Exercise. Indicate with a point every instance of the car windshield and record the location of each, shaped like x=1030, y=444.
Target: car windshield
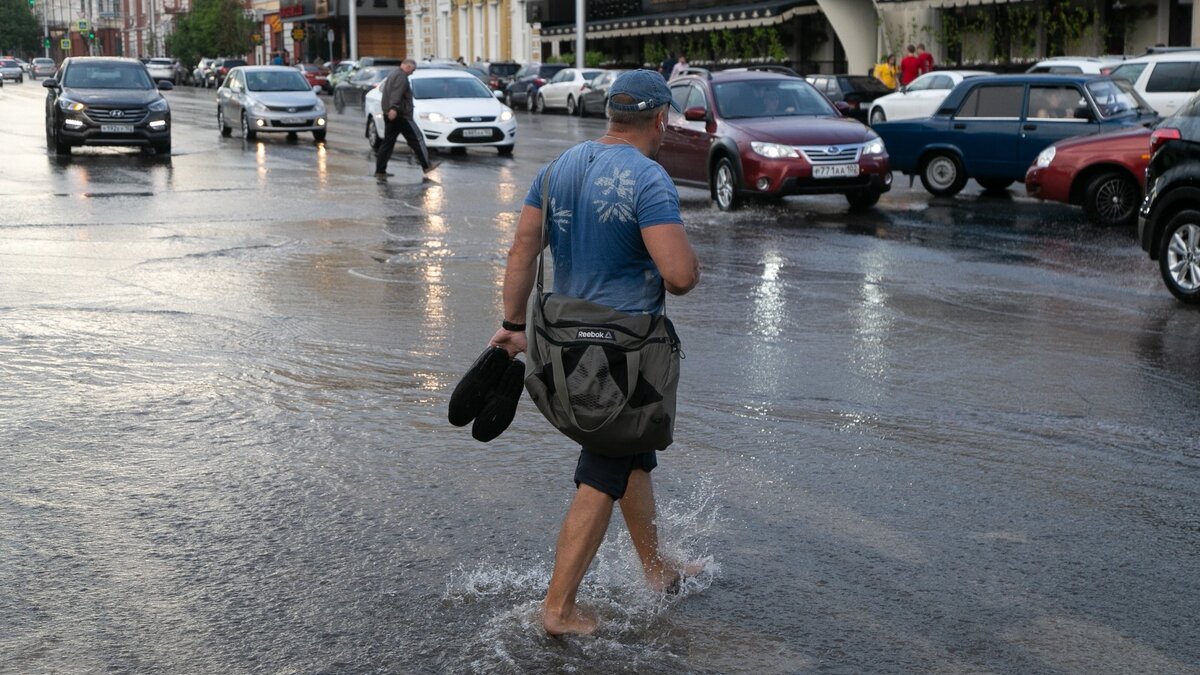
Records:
x=1116, y=97
x=107, y=76
x=276, y=80
x=868, y=84
x=449, y=87
x=770, y=98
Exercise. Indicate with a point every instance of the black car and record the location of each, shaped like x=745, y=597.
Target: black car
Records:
x=500, y=74
x=106, y=101
x=856, y=91
x=1169, y=220
x=595, y=93
x=527, y=81
x=354, y=90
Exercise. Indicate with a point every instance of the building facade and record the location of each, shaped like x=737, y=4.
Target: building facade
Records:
x=476, y=30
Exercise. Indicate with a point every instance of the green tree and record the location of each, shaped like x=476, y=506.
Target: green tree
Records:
x=20, y=31
x=212, y=28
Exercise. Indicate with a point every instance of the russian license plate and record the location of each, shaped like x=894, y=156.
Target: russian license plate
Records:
x=477, y=133
x=116, y=128
x=835, y=171
x=292, y=120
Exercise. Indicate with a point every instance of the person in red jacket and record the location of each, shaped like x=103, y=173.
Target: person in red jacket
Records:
x=924, y=59
x=910, y=66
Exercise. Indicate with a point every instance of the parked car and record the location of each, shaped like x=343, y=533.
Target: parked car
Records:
x=202, y=73
x=340, y=72
x=1165, y=80
x=856, y=91
x=1169, y=218
x=454, y=111
x=353, y=90
x=1105, y=174
x=921, y=97
x=594, y=97
x=221, y=68
x=1075, y=65
x=11, y=70
x=266, y=99
x=524, y=88
x=43, y=67
x=501, y=73
x=563, y=90
x=757, y=134
x=991, y=128
x=316, y=74
x=25, y=66
x=106, y=101
x=161, y=69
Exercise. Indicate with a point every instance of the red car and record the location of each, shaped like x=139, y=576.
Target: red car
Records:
x=758, y=134
x=1105, y=173
x=316, y=75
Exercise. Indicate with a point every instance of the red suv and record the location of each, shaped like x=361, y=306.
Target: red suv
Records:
x=757, y=134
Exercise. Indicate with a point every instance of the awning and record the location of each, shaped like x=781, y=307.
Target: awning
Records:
x=690, y=21
x=943, y=4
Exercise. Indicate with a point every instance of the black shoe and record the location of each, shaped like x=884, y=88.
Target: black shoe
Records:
x=383, y=174
x=431, y=166
x=469, y=396
x=500, y=403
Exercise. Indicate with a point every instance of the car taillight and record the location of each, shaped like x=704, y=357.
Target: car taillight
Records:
x=537, y=81
x=1161, y=136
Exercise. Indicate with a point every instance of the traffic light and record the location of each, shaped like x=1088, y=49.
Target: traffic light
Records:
x=91, y=35
x=31, y=4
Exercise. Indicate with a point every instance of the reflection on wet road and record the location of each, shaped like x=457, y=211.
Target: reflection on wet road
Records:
x=943, y=435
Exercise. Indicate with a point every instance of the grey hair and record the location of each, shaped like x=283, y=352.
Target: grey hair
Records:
x=408, y=62
x=636, y=119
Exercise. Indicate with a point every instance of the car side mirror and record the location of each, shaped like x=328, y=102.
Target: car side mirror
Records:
x=165, y=85
x=50, y=83
x=695, y=114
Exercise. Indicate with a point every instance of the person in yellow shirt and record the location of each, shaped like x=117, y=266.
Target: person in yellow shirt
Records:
x=886, y=71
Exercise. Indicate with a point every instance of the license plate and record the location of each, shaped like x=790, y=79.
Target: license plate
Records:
x=116, y=128
x=292, y=120
x=477, y=133
x=835, y=171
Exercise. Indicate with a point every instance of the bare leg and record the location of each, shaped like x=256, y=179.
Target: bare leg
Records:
x=582, y=531
x=637, y=506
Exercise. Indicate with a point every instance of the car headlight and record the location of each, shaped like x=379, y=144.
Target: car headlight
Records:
x=68, y=104
x=258, y=106
x=874, y=147
x=773, y=150
x=436, y=118
x=1045, y=157
x=159, y=106
x=506, y=115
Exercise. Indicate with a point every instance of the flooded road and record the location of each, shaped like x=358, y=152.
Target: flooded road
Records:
x=940, y=436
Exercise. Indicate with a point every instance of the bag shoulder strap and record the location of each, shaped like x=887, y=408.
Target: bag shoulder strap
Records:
x=545, y=225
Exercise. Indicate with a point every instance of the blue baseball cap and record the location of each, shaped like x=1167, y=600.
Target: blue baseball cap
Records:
x=647, y=88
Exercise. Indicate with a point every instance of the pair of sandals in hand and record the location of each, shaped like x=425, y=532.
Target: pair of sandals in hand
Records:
x=488, y=394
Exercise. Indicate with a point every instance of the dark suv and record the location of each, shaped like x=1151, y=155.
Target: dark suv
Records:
x=756, y=134
x=524, y=87
x=1169, y=220
x=106, y=101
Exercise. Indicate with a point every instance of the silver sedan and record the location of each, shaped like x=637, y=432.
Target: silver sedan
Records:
x=265, y=99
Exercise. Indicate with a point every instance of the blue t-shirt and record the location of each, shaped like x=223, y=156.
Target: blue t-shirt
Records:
x=601, y=196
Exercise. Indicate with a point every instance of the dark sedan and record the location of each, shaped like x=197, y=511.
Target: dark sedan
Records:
x=595, y=93
x=856, y=91
x=755, y=134
x=524, y=87
x=354, y=90
x=106, y=101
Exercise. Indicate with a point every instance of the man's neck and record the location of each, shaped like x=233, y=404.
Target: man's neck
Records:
x=636, y=140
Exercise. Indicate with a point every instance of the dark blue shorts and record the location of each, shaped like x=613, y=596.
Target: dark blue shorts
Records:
x=610, y=475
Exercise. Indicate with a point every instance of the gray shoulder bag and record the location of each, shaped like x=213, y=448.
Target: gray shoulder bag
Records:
x=605, y=378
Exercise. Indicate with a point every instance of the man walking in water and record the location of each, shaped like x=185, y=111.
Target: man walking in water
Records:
x=617, y=239
x=397, y=104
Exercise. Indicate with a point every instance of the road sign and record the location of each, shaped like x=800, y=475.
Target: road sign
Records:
x=82, y=25
x=298, y=34
x=65, y=45
x=256, y=38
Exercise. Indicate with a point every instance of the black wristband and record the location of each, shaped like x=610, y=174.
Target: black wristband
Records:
x=512, y=327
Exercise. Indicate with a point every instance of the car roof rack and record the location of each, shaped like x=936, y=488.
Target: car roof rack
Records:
x=771, y=68
x=701, y=72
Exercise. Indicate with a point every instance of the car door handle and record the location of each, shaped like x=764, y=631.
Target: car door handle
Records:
x=960, y=125
x=1030, y=127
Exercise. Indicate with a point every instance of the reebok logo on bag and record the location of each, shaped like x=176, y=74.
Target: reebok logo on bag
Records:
x=595, y=334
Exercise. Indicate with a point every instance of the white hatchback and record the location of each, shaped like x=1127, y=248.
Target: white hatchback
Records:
x=454, y=110
x=920, y=98
x=564, y=89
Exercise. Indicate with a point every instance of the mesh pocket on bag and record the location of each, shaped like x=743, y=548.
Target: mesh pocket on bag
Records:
x=596, y=380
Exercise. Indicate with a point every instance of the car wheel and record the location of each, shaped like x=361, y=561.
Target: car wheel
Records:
x=863, y=199
x=319, y=135
x=372, y=135
x=571, y=106
x=994, y=184
x=505, y=150
x=877, y=116
x=1111, y=199
x=61, y=147
x=226, y=130
x=942, y=175
x=247, y=133
x=541, y=103
x=1179, y=256
x=582, y=107
x=339, y=102
x=724, y=185
x=163, y=147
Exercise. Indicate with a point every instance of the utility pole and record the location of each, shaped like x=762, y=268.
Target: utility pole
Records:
x=353, y=29
x=46, y=28
x=580, y=25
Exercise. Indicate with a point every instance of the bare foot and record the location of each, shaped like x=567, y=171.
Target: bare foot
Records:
x=668, y=579
x=576, y=622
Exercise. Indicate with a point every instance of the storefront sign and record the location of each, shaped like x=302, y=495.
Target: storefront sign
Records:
x=290, y=11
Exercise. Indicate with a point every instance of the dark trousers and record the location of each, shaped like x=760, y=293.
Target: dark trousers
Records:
x=412, y=135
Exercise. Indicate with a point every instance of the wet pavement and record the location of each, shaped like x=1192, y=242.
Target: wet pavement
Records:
x=942, y=435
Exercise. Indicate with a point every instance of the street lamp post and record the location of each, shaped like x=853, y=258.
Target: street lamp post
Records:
x=580, y=23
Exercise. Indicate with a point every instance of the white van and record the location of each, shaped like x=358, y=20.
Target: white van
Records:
x=1166, y=80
